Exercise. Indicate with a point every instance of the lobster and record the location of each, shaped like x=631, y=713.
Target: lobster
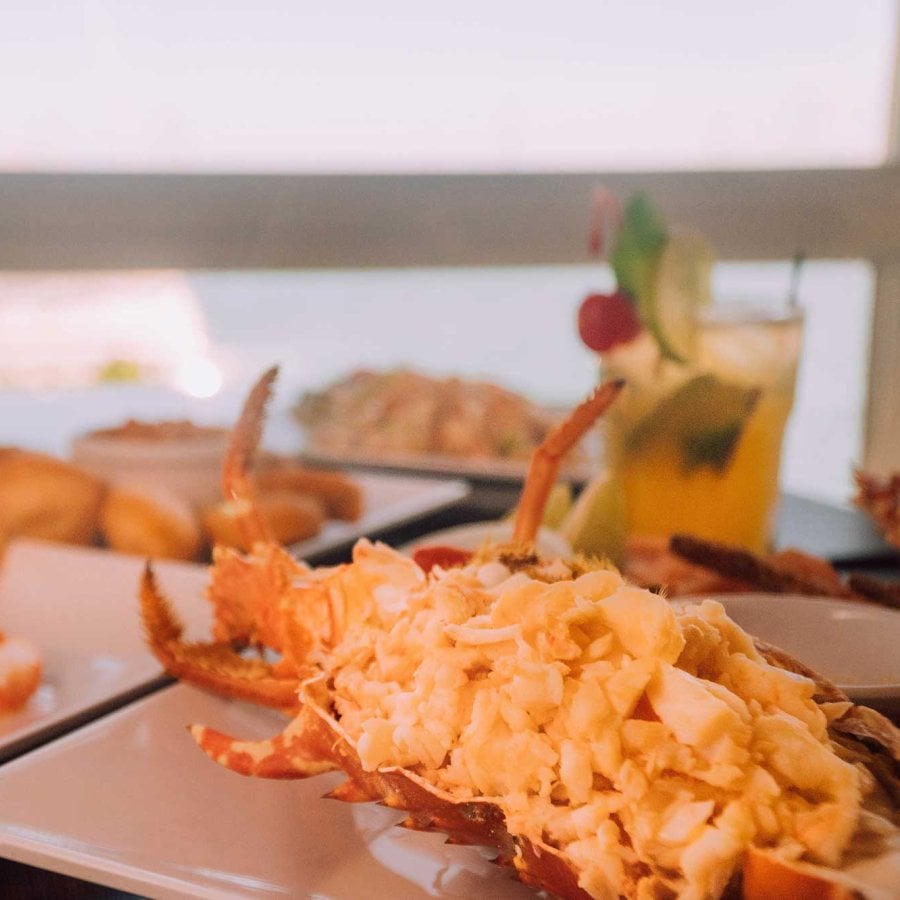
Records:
x=604, y=742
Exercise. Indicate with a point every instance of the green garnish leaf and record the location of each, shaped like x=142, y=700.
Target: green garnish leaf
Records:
x=639, y=246
x=711, y=447
x=704, y=418
x=668, y=276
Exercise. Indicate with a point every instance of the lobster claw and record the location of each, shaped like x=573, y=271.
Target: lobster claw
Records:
x=214, y=666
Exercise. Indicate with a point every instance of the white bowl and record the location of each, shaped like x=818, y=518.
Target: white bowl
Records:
x=853, y=644
x=472, y=536
x=187, y=466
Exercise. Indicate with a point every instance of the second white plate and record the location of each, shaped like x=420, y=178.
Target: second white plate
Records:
x=473, y=535
x=79, y=607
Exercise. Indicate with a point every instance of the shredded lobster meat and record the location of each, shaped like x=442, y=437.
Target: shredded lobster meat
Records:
x=599, y=719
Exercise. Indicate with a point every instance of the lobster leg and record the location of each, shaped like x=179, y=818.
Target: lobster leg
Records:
x=237, y=486
x=297, y=752
x=546, y=459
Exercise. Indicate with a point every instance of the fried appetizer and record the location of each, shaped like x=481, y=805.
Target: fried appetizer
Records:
x=43, y=497
x=785, y=572
x=151, y=523
x=880, y=498
x=290, y=516
x=340, y=496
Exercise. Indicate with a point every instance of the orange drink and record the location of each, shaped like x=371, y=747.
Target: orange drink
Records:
x=694, y=444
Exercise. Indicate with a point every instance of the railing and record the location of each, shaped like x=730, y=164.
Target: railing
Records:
x=54, y=221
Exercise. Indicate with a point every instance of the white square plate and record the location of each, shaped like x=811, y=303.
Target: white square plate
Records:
x=79, y=607
x=130, y=802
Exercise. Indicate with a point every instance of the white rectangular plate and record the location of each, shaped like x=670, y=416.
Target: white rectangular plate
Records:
x=509, y=470
x=390, y=500
x=130, y=802
x=79, y=607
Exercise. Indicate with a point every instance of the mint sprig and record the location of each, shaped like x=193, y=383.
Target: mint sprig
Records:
x=704, y=418
x=638, y=248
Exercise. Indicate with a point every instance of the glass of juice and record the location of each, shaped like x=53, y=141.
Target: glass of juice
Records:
x=694, y=444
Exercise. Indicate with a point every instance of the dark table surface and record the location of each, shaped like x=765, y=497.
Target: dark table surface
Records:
x=842, y=535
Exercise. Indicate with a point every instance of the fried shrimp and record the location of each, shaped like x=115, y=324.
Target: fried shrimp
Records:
x=20, y=672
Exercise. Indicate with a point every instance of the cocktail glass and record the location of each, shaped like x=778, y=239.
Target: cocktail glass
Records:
x=694, y=445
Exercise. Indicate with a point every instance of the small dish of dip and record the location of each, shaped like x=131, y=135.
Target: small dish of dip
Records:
x=178, y=457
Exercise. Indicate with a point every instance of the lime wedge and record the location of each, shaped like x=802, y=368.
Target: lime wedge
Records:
x=558, y=505
x=595, y=526
x=682, y=287
x=704, y=418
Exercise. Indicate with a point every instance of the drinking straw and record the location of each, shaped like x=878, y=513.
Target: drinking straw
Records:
x=793, y=290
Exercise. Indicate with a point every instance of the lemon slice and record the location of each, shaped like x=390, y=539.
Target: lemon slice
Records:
x=558, y=505
x=595, y=526
x=681, y=288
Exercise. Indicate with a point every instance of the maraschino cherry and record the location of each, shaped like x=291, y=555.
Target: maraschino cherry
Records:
x=607, y=320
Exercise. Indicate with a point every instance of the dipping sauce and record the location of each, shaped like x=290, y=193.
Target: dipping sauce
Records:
x=178, y=456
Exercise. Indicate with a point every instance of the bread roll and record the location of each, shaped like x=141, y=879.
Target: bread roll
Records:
x=341, y=497
x=46, y=498
x=291, y=516
x=154, y=524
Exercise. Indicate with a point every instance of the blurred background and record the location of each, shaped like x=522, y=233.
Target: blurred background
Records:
x=191, y=192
